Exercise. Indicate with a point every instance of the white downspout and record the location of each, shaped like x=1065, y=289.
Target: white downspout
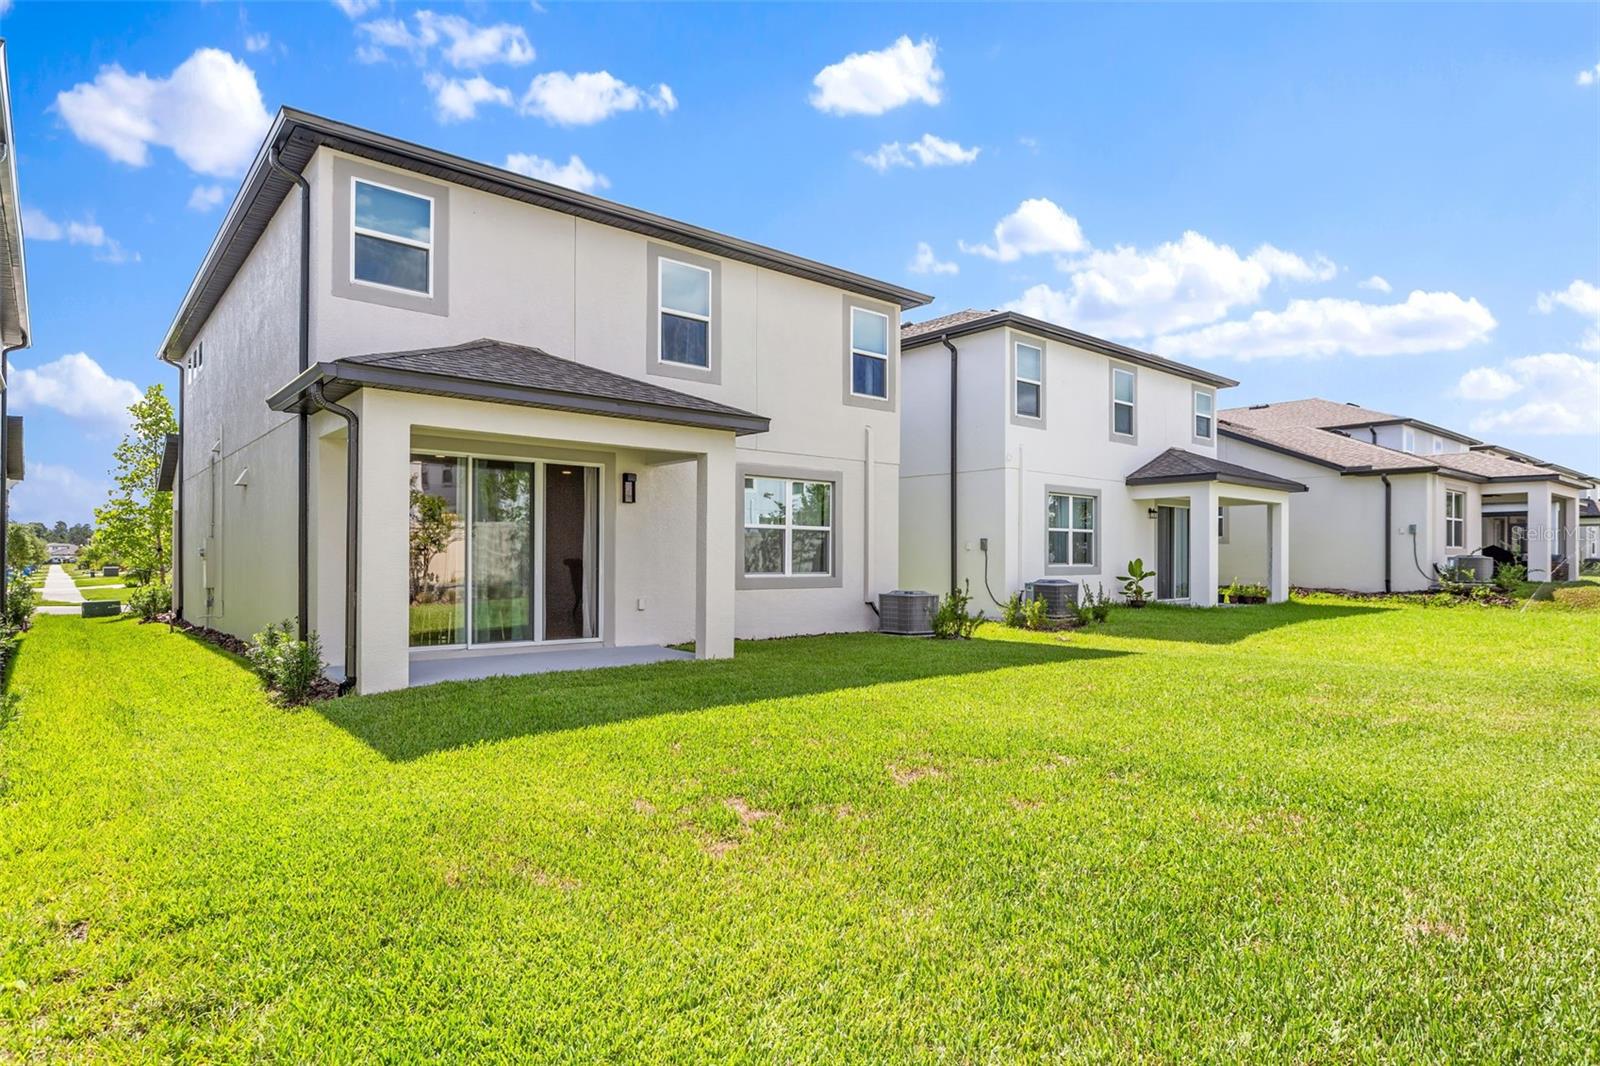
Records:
x=869, y=487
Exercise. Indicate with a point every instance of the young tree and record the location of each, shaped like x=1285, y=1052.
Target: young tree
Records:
x=24, y=546
x=135, y=525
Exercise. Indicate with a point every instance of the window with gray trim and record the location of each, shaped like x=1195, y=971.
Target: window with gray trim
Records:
x=1205, y=403
x=1028, y=398
x=685, y=313
x=1070, y=527
x=391, y=237
x=788, y=527
x=1123, y=398
x=1455, y=519
x=869, y=353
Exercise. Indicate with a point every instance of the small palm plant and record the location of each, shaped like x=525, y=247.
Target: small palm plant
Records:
x=1133, y=582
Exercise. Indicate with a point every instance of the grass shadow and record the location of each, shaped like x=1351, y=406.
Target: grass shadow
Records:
x=411, y=723
x=1226, y=625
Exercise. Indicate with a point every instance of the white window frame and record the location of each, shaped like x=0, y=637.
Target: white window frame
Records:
x=195, y=363
x=865, y=354
x=1455, y=526
x=1408, y=440
x=1438, y=445
x=1017, y=380
x=663, y=309
x=358, y=230
x=789, y=527
x=1132, y=405
x=1069, y=529
x=1210, y=416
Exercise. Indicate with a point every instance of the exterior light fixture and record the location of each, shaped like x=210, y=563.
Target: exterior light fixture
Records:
x=630, y=487
x=1154, y=513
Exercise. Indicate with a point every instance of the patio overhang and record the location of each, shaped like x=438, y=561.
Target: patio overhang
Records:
x=500, y=372
x=1175, y=466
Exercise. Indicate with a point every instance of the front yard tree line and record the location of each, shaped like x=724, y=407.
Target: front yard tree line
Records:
x=135, y=524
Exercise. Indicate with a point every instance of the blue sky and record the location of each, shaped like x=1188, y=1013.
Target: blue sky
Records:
x=1393, y=205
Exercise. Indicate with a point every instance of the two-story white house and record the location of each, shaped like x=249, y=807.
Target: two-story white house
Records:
x=453, y=419
x=1032, y=451
x=1392, y=499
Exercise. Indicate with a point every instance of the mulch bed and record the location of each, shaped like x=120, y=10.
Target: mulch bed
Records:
x=1496, y=599
x=321, y=689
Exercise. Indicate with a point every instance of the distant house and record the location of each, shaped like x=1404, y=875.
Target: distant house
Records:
x=1392, y=498
x=1066, y=456
x=62, y=553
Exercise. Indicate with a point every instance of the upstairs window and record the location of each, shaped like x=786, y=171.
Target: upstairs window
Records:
x=1408, y=440
x=1030, y=380
x=1122, y=401
x=392, y=238
x=685, y=314
x=788, y=527
x=1455, y=519
x=194, y=363
x=869, y=353
x=1070, y=529
x=1438, y=445
x=1204, y=405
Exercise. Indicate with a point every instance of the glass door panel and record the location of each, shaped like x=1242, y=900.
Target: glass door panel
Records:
x=438, y=551
x=502, y=551
x=571, y=528
x=1180, y=553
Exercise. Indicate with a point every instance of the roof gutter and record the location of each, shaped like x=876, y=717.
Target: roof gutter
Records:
x=352, y=524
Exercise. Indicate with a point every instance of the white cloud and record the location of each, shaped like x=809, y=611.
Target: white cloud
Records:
x=208, y=111
x=38, y=226
x=456, y=100
x=1560, y=394
x=6, y=6
x=257, y=42
x=574, y=173
x=930, y=151
x=1377, y=283
x=586, y=98
x=870, y=83
x=205, y=197
x=463, y=44
x=1126, y=292
x=1581, y=298
x=51, y=493
x=78, y=387
x=1425, y=322
x=925, y=262
x=354, y=9
x=1036, y=226
x=1590, y=76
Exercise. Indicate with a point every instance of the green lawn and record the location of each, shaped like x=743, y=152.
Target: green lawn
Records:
x=1323, y=831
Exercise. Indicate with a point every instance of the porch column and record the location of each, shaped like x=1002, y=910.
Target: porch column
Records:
x=1541, y=536
x=715, y=553
x=1203, y=546
x=1277, y=552
x=383, y=613
x=1574, y=551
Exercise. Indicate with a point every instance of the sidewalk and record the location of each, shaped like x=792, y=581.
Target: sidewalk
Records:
x=59, y=587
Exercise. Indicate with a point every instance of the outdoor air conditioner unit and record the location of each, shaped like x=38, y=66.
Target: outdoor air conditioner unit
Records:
x=1060, y=596
x=907, y=614
x=1481, y=567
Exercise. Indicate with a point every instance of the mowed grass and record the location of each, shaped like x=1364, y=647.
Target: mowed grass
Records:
x=1320, y=831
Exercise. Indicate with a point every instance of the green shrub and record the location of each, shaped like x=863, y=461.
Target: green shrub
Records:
x=150, y=601
x=1099, y=606
x=287, y=666
x=1133, y=582
x=1509, y=575
x=952, y=621
x=1012, y=613
x=20, y=598
x=1035, y=614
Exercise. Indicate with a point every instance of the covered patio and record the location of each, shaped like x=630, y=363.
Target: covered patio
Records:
x=1537, y=523
x=1193, y=500
x=515, y=512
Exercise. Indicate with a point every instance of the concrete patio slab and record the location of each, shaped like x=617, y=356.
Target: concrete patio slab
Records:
x=469, y=666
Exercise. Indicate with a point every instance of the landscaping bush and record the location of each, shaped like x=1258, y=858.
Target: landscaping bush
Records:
x=1035, y=614
x=1133, y=582
x=1245, y=592
x=287, y=666
x=150, y=601
x=1012, y=613
x=1099, y=606
x=952, y=621
x=20, y=598
x=1509, y=575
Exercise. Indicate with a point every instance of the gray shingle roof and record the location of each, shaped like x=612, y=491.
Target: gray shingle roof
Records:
x=1177, y=464
x=1327, y=448
x=1319, y=414
x=500, y=372
x=1588, y=508
x=1487, y=464
x=959, y=323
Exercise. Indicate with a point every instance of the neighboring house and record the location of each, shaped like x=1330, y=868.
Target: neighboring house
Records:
x=1072, y=456
x=1393, y=498
x=13, y=305
x=516, y=416
x=62, y=553
x=1589, y=527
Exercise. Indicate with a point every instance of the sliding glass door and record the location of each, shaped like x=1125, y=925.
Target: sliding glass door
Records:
x=1172, y=553
x=503, y=551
